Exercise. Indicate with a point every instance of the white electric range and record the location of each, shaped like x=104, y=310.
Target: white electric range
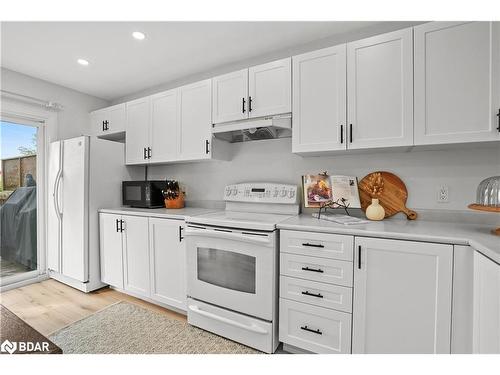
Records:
x=232, y=264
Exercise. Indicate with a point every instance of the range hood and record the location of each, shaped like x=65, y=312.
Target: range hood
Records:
x=269, y=127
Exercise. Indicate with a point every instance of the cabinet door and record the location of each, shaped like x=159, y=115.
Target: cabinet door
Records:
x=319, y=100
x=486, y=326
x=230, y=96
x=164, y=126
x=195, y=127
x=108, y=120
x=136, y=254
x=380, y=90
x=402, y=297
x=168, y=262
x=270, y=88
x=111, y=250
x=457, y=82
x=138, y=125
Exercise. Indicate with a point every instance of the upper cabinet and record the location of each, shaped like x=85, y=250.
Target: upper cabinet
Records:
x=457, y=82
x=137, y=146
x=108, y=122
x=262, y=90
x=319, y=100
x=164, y=126
x=380, y=91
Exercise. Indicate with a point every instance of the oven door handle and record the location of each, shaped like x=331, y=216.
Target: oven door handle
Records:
x=227, y=235
x=251, y=328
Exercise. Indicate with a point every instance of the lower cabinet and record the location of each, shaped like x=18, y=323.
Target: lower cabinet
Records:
x=486, y=307
x=402, y=296
x=144, y=256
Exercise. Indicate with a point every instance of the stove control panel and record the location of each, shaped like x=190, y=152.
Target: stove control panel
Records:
x=261, y=192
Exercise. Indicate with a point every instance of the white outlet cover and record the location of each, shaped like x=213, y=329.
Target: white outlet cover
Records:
x=443, y=194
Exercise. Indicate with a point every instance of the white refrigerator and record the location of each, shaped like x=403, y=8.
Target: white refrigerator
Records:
x=84, y=175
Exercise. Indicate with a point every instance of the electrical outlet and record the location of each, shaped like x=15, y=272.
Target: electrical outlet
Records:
x=443, y=194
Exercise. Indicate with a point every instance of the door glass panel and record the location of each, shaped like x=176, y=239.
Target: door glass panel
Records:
x=226, y=269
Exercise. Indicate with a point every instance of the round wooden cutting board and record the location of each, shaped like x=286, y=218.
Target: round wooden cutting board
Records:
x=390, y=191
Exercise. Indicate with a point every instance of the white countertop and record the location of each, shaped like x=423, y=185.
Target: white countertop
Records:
x=171, y=213
x=478, y=237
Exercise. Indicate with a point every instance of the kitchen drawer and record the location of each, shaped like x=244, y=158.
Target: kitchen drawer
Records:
x=324, y=245
x=314, y=328
x=314, y=293
x=324, y=270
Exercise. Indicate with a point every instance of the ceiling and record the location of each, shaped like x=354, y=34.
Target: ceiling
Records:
x=120, y=65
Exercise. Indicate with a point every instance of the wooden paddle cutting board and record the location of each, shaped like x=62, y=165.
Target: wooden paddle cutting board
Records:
x=390, y=191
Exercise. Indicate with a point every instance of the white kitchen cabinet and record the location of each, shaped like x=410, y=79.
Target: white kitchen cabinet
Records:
x=136, y=255
x=380, y=91
x=108, y=121
x=486, y=306
x=319, y=100
x=230, y=96
x=457, y=82
x=167, y=263
x=164, y=126
x=402, y=296
x=195, y=129
x=270, y=88
x=111, y=249
x=138, y=131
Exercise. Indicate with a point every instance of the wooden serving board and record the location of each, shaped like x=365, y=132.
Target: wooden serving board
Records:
x=390, y=191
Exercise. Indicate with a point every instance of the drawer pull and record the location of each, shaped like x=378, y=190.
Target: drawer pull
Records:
x=312, y=269
x=313, y=245
x=307, y=293
x=316, y=331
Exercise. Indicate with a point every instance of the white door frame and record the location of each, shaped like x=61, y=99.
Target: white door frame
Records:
x=46, y=122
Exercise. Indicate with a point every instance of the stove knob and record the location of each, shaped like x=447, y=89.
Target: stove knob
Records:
x=283, y=193
x=276, y=192
x=235, y=191
x=291, y=194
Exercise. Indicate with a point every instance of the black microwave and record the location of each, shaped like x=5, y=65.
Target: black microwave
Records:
x=143, y=194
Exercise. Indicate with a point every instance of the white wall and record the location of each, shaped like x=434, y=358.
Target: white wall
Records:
x=272, y=160
x=73, y=119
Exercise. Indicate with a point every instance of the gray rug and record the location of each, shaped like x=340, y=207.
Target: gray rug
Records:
x=125, y=328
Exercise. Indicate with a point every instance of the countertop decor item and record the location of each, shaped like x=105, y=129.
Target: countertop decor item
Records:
x=488, y=197
x=173, y=195
x=322, y=189
x=389, y=190
x=375, y=211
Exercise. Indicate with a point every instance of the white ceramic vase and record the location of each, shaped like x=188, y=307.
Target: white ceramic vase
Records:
x=375, y=211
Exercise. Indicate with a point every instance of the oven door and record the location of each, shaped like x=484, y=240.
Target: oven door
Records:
x=232, y=269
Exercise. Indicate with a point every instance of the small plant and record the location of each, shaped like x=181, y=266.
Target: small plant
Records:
x=172, y=190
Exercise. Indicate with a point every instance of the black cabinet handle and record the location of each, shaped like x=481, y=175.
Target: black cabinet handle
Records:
x=106, y=123
x=249, y=104
x=145, y=153
x=498, y=115
x=341, y=134
x=359, y=257
x=350, y=132
x=117, y=226
x=149, y=152
x=317, y=331
x=243, y=105
x=121, y=225
x=307, y=293
x=319, y=270
x=207, y=150
x=180, y=233
x=313, y=245
x=103, y=127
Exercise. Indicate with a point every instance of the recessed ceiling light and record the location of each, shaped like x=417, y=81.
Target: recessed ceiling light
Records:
x=138, y=35
x=82, y=62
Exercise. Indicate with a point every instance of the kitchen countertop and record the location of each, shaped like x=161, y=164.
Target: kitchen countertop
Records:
x=478, y=237
x=171, y=213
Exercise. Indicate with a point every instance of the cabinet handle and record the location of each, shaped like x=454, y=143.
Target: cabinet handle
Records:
x=106, y=123
x=341, y=134
x=103, y=127
x=359, y=257
x=145, y=153
x=117, y=225
x=149, y=152
x=498, y=115
x=249, y=104
x=313, y=245
x=207, y=150
x=243, y=105
x=307, y=293
x=319, y=270
x=121, y=225
x=180, y=233
x=317, y=331
x=350, y=133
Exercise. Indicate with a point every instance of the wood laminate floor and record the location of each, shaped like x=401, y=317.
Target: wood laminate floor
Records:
x=50, y=305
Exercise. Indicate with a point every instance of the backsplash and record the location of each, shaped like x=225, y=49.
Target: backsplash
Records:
x=423, y=172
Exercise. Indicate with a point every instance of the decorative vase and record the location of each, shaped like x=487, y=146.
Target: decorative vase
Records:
x=175, y=202
x=375, y=211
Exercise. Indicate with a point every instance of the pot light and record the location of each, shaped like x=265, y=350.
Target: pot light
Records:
x=82, y=62
x=138, y=35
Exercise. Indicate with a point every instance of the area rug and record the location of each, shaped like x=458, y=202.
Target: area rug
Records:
x=125, y=328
